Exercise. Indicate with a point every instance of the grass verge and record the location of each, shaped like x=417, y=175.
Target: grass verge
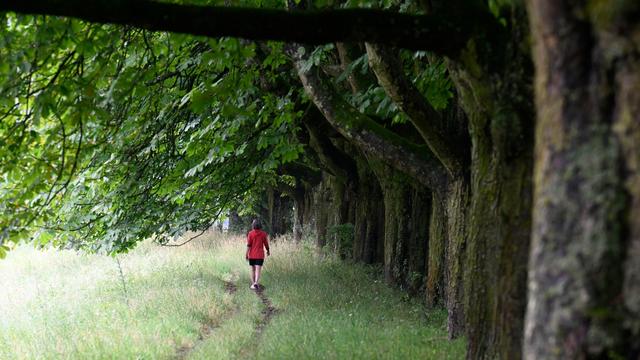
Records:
x=173, y=304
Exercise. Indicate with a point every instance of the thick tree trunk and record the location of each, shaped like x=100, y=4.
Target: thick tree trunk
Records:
x=496, y=255
x=432, y=33
x=584, y=271
x=498, y=218
x=406, y=228
x=435, y=286
x=300, y=216
x=298, y=224
x=369, y=217
x=322, y=205
x=457, y=203
x=282, y=215
x=277, y=215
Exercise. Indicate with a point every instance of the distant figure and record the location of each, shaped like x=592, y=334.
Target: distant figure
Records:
x=256, y=241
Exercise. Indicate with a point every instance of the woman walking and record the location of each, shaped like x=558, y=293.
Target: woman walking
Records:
x=256, y=243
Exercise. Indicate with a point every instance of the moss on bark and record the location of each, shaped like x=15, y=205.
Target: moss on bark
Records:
x=435, y=286
x=499, y=201
x=406, y=228
x=457, y=202
x=584, y=272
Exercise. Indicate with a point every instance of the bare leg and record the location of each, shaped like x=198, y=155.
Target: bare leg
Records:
x=253, y=274
x=258, y=268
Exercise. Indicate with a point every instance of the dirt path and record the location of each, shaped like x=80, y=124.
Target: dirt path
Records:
x=207, y=327
x=268, y=312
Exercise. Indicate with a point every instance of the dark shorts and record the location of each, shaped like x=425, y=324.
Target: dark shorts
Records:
x=258, y=262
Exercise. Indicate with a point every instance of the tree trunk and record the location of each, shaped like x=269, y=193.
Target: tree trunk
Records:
x=457, y=203
x=237, y=223
x=498, y=218
x=435, y=286
x=299, y=214
x=322, y=205
x=584, y=271
x=412, y=159
x=369, y=217
x=406, y=214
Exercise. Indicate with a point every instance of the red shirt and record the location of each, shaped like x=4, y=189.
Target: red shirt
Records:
x=256, y=240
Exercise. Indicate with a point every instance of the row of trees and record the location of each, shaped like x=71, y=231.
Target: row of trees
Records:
x=511, y=199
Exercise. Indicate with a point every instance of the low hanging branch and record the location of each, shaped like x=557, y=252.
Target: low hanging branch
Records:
x=387, y=66
x=419, y=32
x=334, y=160
x=414, y=160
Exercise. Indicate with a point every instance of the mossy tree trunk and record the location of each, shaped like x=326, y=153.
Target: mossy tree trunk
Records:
x=406, y=228
x=488, y=198
x=492, y=83
x=486, y=187
x=435, y=285
x=456, y=205
x=300, y=216
x=498, y=214
x=584, y=272
x=322, y=206
x=369, y=217
x=446, y=136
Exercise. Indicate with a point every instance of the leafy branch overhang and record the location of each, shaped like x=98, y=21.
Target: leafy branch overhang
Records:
x=418, y=32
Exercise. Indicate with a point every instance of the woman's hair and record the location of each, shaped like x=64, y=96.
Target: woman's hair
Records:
x=255, y=224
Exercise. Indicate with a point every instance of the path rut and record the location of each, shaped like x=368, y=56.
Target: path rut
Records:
x=268, y=312
x=207, y=327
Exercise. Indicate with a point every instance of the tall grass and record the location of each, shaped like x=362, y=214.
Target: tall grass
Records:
x=171, y=302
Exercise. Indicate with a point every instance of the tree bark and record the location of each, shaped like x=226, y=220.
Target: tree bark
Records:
x=369, y=217
x=584, y=271
x=436, y=264
x=493, y=89
x=406, y=214
x=417, y=161
x=312, y=27
x=457, y=203
x=450, y=149
x=322, y=206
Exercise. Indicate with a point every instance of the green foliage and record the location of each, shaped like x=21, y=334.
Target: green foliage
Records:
x=499, y=9
x=432, y=79
x=116, y=135
x=110, y=135
x=428, y=73
x=341, y=237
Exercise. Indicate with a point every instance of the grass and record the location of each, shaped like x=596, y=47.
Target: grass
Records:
x=60, y=304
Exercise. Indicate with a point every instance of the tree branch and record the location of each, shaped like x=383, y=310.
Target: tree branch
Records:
x=337, y=162
x=416, y=161
x=302, y=171
x=387, y=66
x=419, y=32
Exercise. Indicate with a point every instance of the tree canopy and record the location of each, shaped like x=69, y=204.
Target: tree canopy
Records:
x=114, y=134
x=414, y=134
